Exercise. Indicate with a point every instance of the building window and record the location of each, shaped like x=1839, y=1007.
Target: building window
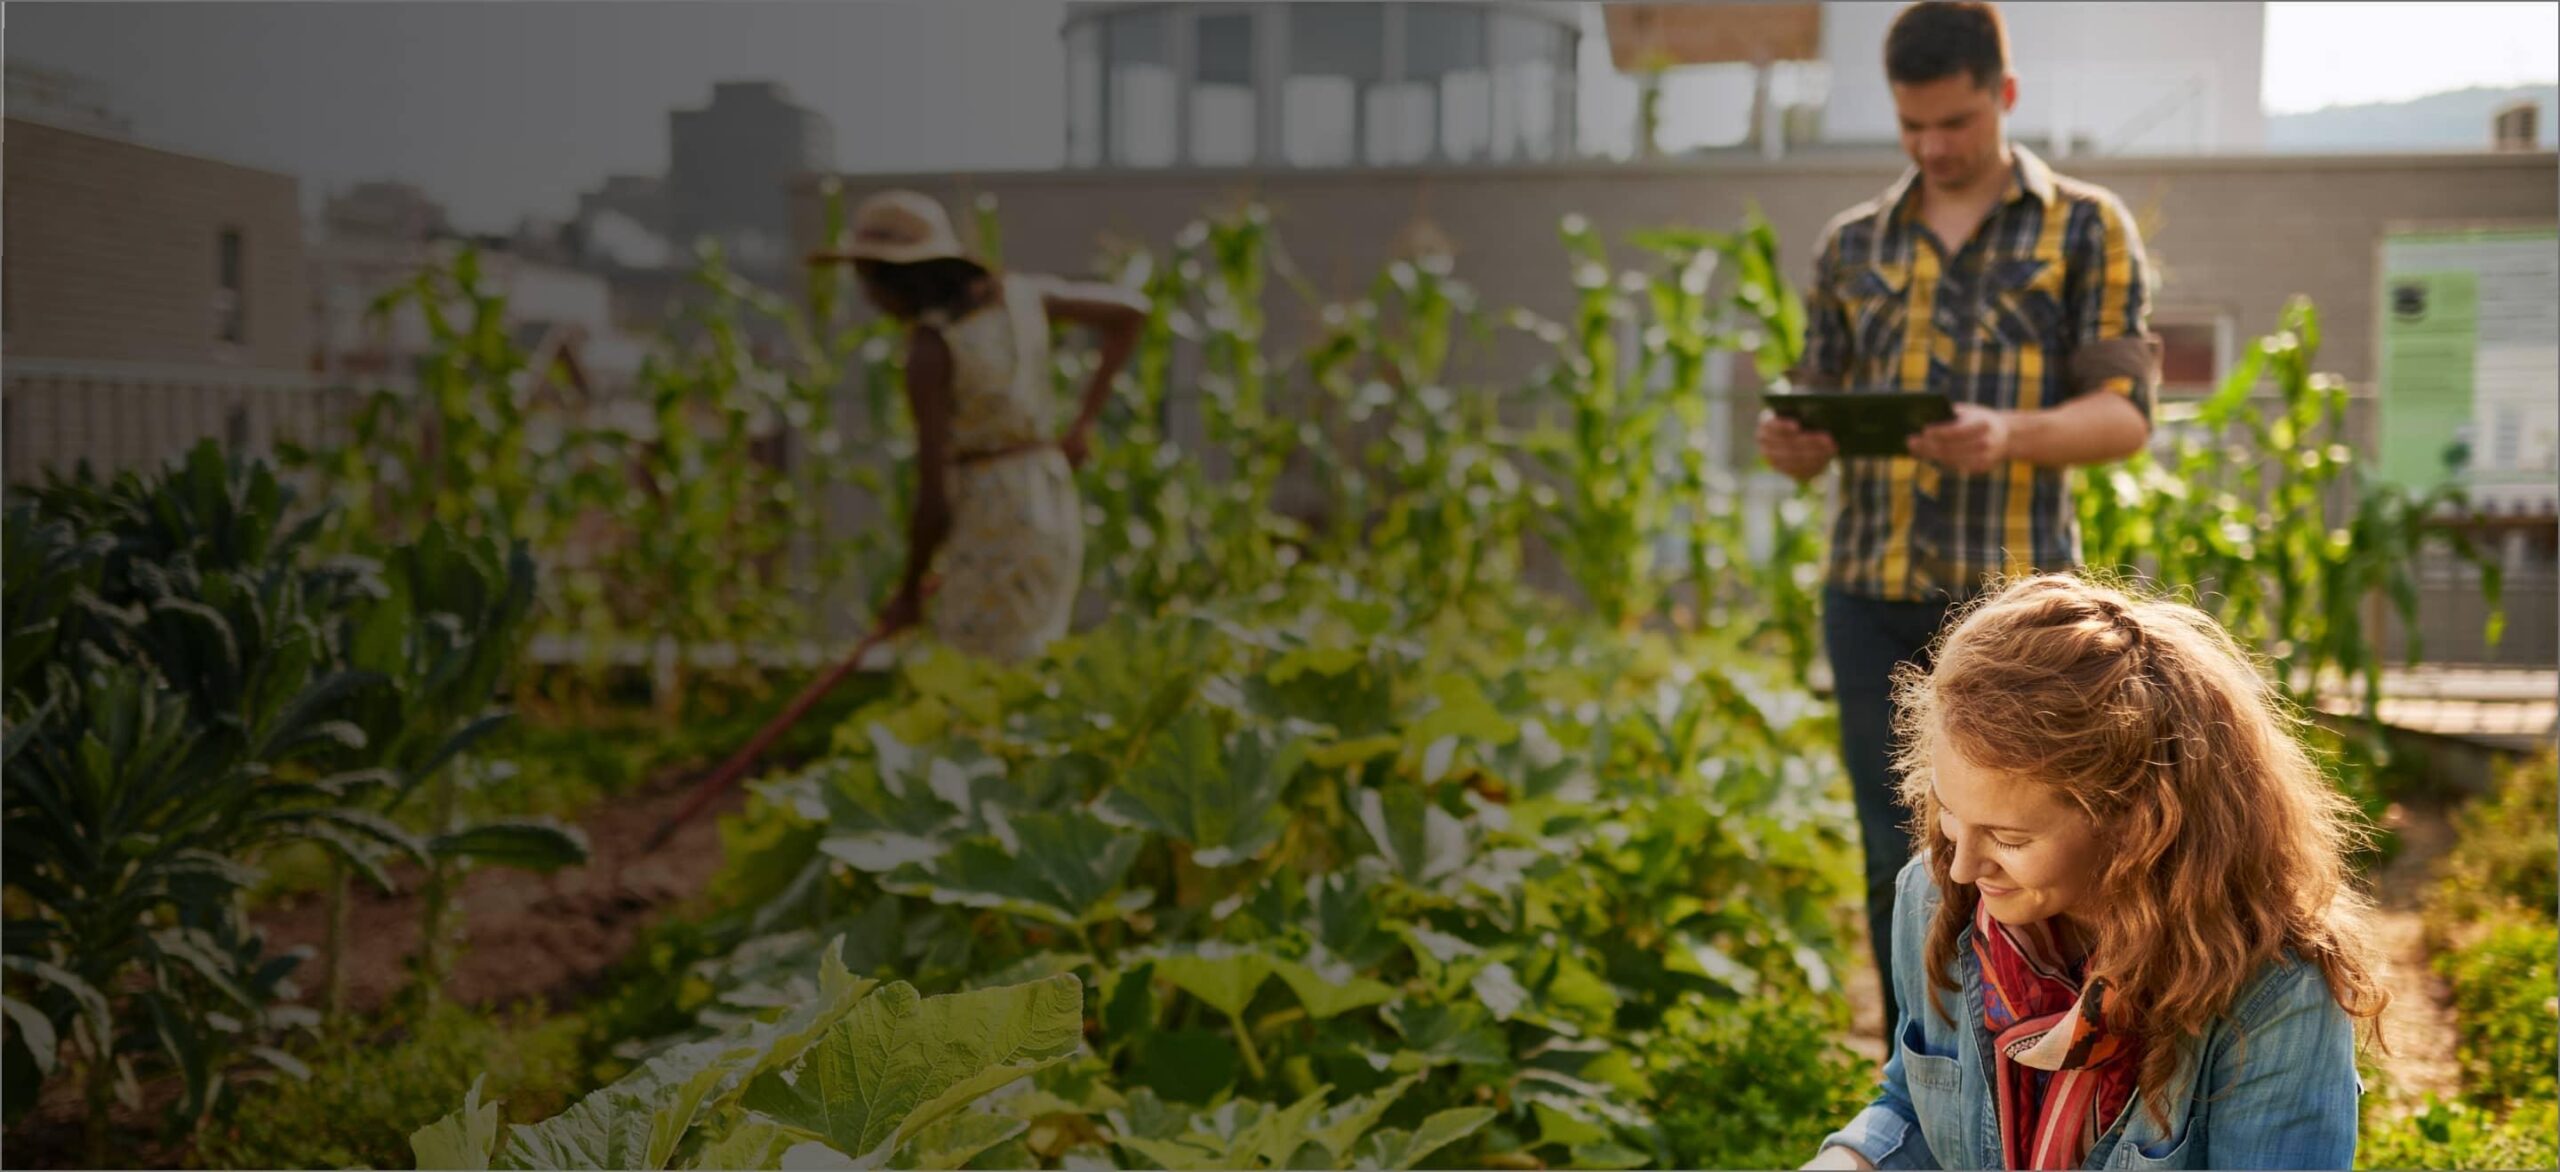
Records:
x=1223, y=111
x=230, y=289
x=2194, y=351
x=1140, y=89
x=1084, y=96
x=1531, y=66
x=1446, y=58
x=1336, y=54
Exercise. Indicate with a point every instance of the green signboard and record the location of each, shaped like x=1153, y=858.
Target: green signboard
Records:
x=2470, y=387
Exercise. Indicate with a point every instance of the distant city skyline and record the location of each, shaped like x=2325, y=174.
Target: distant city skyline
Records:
x=504, y=111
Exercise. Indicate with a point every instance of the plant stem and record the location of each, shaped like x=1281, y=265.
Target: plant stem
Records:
x=101, y=1093
x=1244, y=1045
x=334, y=1000
x=431, y=968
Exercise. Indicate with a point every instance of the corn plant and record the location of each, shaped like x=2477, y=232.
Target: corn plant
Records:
x=1171, y=528
x=1629, y=458
x=1427, y=495
x=454, y=447
x=1613, y=502
x=1140, y=489
x=1231, y=254
x=1759, y=314
x=2258, y=509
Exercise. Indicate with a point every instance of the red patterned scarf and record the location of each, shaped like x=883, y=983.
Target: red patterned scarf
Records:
x=2060, y=1078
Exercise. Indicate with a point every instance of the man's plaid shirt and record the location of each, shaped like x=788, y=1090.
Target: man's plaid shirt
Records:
x=2049, y=299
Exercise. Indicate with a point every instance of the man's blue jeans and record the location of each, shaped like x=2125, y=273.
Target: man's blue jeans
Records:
x=1867, y=638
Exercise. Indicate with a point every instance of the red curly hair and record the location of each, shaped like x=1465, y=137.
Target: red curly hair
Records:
x=2230, y=844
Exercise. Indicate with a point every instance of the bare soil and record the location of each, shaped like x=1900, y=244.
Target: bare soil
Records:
x=525, y=935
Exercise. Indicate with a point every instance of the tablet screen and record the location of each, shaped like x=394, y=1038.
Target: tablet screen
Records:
x=1864, y=423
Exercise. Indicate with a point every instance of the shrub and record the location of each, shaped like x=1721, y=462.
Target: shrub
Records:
x=2457, y=1135
x=2505, y=855
x=2504, y=996
x=1801, y=1084
x=368, y=1091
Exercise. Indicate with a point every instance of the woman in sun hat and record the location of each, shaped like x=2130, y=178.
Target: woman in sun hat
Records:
x=2129, y=939
x=997, y=520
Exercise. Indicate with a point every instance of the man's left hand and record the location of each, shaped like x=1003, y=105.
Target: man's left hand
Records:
x=1976, y=440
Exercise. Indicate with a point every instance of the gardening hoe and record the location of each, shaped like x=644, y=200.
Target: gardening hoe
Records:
x=736, y=766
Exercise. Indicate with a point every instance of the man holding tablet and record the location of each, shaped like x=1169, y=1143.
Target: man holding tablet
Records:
x=2018, y=297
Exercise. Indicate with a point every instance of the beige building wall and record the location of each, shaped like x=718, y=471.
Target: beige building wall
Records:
x=113, y=348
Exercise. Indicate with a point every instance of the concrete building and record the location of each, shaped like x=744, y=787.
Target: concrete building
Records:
x=379, y=235
x=1320, y=85
x=731, y=166
x=152, y=299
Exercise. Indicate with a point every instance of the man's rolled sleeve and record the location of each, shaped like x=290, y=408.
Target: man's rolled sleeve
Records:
x=2114, y=350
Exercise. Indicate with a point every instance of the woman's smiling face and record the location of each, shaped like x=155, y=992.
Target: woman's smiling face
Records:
x=2029, y=852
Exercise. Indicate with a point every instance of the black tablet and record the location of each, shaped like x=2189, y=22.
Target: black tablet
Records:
x=1864, y=423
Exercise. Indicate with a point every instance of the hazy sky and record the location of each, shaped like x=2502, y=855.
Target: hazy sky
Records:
x=501, y=109
x=2340, y=54
x=505, y=108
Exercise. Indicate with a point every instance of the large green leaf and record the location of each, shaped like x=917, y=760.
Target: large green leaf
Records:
x=957, y=1139
x=1062, y=867
x=893, y=809
x=638, y=1121
x=463, y=1139
x=1239, y=1133
x=1342, y=915
x=534, y=845
x=1394, y=1149
x=899, y=1063
x=34, y=1031
x=1226, y=805
x=1329, y=987
x=1436, y=1035
x=1223, y=976
x=1460, y=711
x=755, y=1143
x=1418, y=840
x=1183, y=1065
x=1342, y=1125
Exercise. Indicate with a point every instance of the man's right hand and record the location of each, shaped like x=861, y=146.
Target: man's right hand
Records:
x=1793, y=449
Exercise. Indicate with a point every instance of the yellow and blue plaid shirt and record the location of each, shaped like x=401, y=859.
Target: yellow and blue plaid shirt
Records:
x=2048, y=300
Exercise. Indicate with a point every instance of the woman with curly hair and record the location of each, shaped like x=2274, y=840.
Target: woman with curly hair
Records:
x=2128, y=939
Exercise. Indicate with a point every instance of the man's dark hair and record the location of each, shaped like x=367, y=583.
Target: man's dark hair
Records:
x=1943, y=38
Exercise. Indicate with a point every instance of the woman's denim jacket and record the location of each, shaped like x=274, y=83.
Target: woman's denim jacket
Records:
x=2279, y=1087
